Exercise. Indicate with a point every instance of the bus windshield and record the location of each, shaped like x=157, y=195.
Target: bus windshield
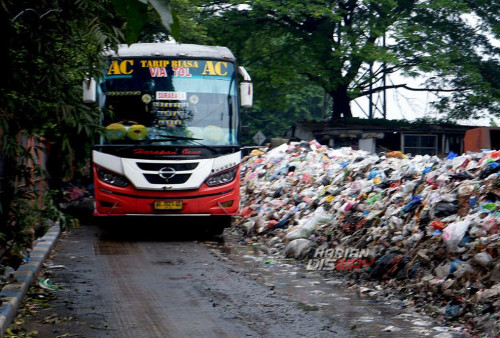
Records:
x=157, y=99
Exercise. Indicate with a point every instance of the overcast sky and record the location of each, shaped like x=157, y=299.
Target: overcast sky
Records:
x=410, y=105
x=406, y=104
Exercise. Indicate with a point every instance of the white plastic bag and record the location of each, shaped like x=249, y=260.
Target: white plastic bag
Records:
x=454, y=232
x=307, y=226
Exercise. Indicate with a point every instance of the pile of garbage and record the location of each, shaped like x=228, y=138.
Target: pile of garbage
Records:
x=77, y=200
x=424, y=226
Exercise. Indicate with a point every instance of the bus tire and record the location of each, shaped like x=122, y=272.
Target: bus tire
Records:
x=218, y=224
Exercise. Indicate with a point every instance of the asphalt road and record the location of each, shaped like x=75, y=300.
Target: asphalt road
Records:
x=157, y=285
x=140, y=281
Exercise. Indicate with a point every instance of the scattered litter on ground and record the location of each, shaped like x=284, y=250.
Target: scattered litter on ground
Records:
x=47, y=284
x=51, y=266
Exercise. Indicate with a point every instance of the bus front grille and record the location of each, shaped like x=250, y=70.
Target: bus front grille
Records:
x=157, y=179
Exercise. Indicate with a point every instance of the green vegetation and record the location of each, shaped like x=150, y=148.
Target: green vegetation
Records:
x=48, y=48
x=296, y=51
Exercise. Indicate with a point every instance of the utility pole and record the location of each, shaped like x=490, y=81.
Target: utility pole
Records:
x=384, y=71
x=370, y=107
x=375, y=106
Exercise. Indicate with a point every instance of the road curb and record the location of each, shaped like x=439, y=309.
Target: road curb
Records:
x=12, y=294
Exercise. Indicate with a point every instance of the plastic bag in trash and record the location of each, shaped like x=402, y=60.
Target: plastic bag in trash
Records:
x=490, y=224
x=489, y=169
x=453, y=309
x=454, y=232
x=443, y=209
x=297, y=248
x=307, y=226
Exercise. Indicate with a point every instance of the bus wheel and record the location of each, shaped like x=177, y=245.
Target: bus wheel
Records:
x=218, y=224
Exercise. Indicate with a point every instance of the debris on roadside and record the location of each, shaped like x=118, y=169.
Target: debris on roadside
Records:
x=424, y=227
x=77, y=200
x=46, y=283
x=74, y=195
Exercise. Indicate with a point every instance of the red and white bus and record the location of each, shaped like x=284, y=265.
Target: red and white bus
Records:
x=171, y=120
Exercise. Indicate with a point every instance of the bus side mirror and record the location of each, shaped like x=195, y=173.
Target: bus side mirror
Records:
x=246, y=94
x=246, y=89
x=89, y=90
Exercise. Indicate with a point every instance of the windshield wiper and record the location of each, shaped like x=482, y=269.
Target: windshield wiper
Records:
x=165, y=138
x=171, y=138
x=195, y=141
x=177, y=138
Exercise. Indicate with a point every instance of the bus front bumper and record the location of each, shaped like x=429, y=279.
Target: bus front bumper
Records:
x=209, y=201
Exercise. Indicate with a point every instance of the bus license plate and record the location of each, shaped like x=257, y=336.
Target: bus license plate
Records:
x=168, y=205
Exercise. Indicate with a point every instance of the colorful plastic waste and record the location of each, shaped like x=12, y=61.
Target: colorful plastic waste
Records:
x=47, y=284
x=426, y=221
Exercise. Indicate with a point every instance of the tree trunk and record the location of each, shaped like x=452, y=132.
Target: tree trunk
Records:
x=341, y=103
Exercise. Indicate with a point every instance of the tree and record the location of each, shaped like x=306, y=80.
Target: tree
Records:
x=48, y=48
x=185, y=27
x=137, y=14
x=338, y=46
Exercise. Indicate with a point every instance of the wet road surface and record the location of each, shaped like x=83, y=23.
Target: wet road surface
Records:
x=159, y=284
x=357, y=311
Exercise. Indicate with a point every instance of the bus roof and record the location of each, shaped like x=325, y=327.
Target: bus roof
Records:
x=169, y=49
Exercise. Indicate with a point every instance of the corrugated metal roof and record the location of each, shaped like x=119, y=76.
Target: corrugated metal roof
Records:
x=377, y=125
x=168, y=49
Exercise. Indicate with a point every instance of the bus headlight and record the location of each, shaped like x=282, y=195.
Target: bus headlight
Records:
x=112, y=178
x=222, y=177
